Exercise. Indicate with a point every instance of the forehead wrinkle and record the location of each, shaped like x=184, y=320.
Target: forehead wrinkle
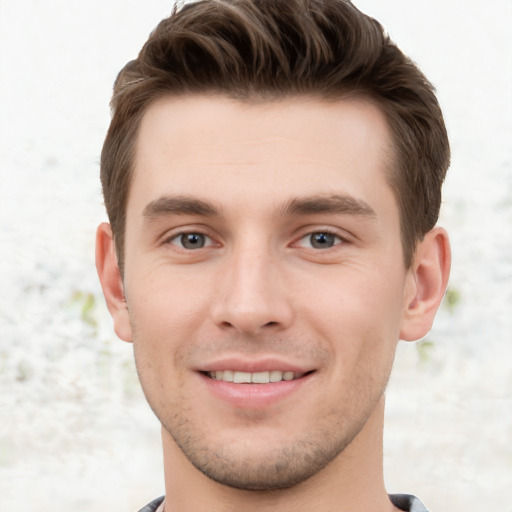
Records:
x=335, y=204
x=179, y=205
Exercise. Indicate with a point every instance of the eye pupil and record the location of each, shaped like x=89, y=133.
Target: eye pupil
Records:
x=192, y=240
x=322, y=240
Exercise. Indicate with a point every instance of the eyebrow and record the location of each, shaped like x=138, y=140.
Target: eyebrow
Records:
x=336, y=203
x=178, y=205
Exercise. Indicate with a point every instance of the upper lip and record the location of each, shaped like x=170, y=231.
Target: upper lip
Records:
x=253, y=365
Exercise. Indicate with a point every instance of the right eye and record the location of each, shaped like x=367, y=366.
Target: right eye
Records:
x=191, y=241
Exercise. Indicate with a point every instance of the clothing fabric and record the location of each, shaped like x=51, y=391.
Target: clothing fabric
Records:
x=153, y=506
x=406, y=502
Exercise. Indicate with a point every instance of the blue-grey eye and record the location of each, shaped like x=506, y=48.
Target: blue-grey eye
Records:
x=193, y=240
x=322, y=240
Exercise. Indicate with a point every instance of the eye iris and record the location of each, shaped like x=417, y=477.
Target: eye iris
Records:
x=192, y=240
x=322, y=240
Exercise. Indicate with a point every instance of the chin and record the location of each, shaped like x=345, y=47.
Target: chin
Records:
x=261, y=476
x=261, y=466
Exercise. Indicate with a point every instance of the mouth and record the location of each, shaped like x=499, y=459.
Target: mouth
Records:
x=267, y=384
x=264, y=377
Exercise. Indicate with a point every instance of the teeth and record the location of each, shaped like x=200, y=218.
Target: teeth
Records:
x=241, y=378
x=260, y=378
x=276, y=376
x=253, y=378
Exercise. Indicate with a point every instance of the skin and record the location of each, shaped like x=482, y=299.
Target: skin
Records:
x=255, y=186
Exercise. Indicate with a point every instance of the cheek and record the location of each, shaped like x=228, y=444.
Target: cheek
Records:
x=158, y=346
x=362, y=299
x=168, y=311
x=359, y=317
x=165, y=296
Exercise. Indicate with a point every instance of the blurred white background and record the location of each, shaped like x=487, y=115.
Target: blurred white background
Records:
x=75, y=432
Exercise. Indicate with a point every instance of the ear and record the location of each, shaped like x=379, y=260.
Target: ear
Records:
x=111, y=282
x=427, y=281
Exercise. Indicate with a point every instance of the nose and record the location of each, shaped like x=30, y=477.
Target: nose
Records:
x=251, y=296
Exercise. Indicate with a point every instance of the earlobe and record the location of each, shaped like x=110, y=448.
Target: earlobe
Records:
x=111, y=282
x=428, y=278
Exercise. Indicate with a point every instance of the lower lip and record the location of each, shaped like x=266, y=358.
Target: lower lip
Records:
x=254, y=396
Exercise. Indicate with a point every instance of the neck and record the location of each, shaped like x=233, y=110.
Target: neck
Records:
x=351, y=482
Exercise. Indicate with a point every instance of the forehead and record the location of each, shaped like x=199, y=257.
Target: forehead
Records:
x=231, y=151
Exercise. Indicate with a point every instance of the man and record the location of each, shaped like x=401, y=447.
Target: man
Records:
x=272, y=176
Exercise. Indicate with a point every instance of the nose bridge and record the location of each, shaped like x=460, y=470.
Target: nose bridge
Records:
x=251, y=295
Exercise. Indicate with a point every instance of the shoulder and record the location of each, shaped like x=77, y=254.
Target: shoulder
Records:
x=408, y=503
x=151, y=507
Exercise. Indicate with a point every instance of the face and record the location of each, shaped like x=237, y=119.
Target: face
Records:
x=264, y=280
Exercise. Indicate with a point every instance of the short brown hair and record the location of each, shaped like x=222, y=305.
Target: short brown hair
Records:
x=257, y=49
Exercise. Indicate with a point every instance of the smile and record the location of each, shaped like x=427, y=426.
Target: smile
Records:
x=265, y=377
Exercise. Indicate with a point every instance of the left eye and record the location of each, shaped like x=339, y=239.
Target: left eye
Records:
x=191, y=241
x=320, y=240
